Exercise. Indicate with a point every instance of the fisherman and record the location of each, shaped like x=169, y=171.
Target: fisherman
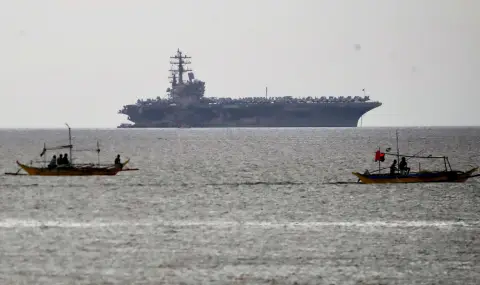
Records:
x=118, y=162
x=402, y=166
x=53, y=162
x=65, y=160
x=60, y=160
x=393, y=167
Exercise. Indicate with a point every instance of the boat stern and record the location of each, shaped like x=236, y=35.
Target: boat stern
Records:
x=468, y=174
x=471, y=171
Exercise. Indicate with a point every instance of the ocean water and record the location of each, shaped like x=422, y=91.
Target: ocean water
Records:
x=239, y=206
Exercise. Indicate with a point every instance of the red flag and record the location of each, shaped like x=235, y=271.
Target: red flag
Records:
x=379, y=156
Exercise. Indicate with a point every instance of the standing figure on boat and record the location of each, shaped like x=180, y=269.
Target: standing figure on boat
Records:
x=60, y=160
x=402, y=166
x=393, y=167
x=53, y=162
x=118, y=162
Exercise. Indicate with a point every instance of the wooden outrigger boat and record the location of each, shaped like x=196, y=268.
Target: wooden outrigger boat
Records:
x=75, y=170
x=421, y=176
x=72, y=169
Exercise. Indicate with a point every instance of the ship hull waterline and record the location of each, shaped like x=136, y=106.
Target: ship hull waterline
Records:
x=308, y=121
x=72, y=171
x=422, y=177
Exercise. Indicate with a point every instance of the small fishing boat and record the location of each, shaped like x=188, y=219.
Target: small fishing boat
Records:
x=396, y=175
x=419, y=177
x=72, y=169
x=75, y=169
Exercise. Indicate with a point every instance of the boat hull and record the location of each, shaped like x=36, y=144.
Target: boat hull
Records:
x=421, y=177
x=73, y=170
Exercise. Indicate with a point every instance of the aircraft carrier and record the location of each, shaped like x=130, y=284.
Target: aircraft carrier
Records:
x=186, y=106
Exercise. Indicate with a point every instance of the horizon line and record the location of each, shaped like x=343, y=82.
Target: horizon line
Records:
x=358, y=127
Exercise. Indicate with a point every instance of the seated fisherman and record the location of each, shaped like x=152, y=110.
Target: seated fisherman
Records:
x=60, y=160
x=53, y=162
x=393, y=167
x=402, y=166
x=65, y=160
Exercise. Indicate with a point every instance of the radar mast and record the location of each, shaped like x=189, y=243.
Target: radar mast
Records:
x=179, y=60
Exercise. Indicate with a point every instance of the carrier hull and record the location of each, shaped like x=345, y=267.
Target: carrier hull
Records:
x=308, y=115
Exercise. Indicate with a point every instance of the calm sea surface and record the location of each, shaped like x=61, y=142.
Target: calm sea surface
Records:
x=239, y=206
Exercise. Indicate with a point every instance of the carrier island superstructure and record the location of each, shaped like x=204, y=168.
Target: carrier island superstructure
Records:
x=186, y=106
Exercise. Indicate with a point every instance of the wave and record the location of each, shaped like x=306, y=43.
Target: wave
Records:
x=245, y=183
x=15, y=223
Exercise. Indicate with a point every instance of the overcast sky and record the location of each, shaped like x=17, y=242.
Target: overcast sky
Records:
x=81, y=61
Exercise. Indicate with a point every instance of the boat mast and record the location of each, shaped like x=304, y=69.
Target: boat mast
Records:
x=70, y=142
x=379, y=170
x=398, y=150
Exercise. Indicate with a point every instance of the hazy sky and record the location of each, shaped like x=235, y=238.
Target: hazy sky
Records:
x=81, y=61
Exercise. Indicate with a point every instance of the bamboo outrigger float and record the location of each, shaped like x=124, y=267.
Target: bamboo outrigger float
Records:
x=72, y=169
x=422, y=176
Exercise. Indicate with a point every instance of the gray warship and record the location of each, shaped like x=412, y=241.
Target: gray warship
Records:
x=186, y=106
